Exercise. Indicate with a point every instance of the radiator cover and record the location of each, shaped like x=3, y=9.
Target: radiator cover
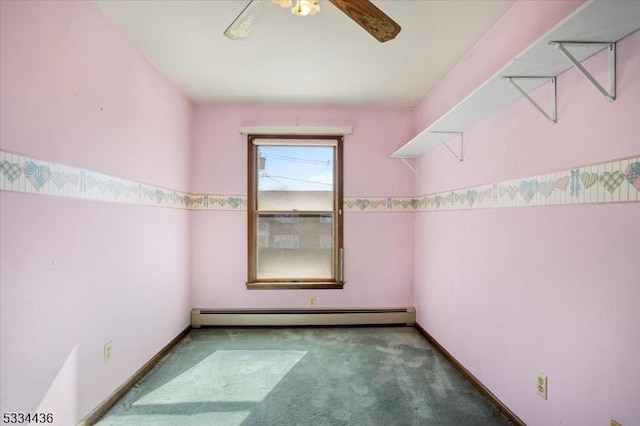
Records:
x=300, y=317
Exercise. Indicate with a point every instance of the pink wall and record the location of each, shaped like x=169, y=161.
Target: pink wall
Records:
x=77, y=274
x=510, y=292
x=378, y=246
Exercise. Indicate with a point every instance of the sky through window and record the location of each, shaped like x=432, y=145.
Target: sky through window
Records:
x=287, y=168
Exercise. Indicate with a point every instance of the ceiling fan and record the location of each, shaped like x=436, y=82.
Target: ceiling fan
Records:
x=363, y=12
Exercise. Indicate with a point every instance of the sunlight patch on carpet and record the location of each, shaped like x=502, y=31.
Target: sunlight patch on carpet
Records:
x=227, y=376
x=218, y=418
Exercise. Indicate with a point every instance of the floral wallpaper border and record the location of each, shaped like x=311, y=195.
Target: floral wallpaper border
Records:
x=380, y=204
x=610, y=182
x=22, y=174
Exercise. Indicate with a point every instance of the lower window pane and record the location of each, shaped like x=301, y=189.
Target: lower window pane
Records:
x=295, y=246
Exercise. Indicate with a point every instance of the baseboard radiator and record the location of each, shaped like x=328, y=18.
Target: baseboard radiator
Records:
x=301, y=317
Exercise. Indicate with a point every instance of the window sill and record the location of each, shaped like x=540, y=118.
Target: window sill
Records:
x=295, y=285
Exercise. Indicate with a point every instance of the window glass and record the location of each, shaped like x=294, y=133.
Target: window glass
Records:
x=295, y=178
x=295, y=247
x=295, y=220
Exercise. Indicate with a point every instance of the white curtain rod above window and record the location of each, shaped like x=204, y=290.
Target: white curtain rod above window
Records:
x=295, y=142
x=295, y=130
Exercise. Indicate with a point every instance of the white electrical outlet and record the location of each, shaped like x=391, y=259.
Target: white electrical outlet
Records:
x=541, y=385
x=107, y=352
x=313, y=301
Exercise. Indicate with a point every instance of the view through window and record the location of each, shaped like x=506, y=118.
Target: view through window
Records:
x=295, y=216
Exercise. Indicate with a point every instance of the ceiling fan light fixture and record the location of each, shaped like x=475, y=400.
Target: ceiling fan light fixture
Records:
x=283, y=3
x=306, y=7
x=362, y=12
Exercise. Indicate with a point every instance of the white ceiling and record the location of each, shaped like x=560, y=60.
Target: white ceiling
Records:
x=326, y=59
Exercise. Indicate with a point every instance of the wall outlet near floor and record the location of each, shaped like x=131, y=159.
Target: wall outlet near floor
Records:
x=541, y=385
x=614, y=423
x=313, y=302
x=107, y=352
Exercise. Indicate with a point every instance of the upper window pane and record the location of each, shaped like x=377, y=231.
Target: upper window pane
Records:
x=295, y=178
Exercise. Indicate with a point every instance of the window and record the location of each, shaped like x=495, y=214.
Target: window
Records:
x=295, y=212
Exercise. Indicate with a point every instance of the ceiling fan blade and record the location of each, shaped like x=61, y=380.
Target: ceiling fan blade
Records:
x=369, y=17
x=246, y=21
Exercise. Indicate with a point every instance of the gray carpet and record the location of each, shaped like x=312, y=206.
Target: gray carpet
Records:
x=304, y=376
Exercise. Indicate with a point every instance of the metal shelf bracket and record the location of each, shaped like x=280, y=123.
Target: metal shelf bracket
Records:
x=552, y=117
x=611, y=46
x=437, y=135
x=415, y=170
